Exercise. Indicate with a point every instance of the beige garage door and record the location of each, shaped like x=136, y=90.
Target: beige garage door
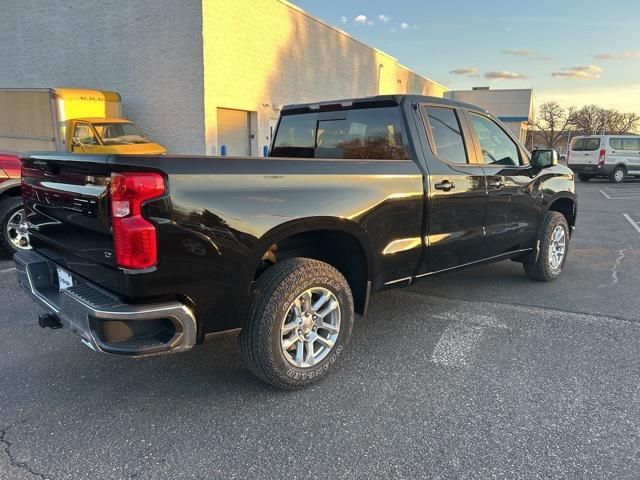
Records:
x=234, y=131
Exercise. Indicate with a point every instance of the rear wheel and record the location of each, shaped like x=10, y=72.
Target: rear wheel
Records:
x=13, y=222
x=618, y=174
x=554, y=245
x=298, y=324
x=583, y=177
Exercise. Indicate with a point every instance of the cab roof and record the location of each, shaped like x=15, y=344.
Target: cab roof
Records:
x=374, y=101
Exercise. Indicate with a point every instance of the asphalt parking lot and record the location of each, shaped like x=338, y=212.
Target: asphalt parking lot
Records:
x=478, y=374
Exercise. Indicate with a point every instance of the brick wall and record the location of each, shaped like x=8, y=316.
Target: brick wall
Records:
x=148, y=51
x=176, y=62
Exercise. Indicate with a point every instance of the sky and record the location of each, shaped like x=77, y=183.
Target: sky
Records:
x=571, y=51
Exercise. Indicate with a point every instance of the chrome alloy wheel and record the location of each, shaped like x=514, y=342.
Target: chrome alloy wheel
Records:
x=558, y=247
x=618, y=175
x=310, y=327
x=18, y=231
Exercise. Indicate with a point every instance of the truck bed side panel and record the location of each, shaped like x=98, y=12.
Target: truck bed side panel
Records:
x=225, y=212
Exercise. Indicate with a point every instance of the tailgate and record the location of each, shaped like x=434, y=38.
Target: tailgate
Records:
x=68, y=213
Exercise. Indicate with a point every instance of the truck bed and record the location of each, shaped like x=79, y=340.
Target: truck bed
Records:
x=218, y=219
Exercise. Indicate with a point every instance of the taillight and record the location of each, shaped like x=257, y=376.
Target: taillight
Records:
x=10, y=165
x=601, y=158
x=135, y=239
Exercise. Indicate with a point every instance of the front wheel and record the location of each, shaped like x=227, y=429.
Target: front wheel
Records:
x=554, y=245
x=13, y=222
x=298, y=323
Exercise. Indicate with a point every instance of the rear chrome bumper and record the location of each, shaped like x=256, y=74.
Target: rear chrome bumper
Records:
x=103, y=322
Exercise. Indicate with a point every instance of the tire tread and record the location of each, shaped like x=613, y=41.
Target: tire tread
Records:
x=267, y=295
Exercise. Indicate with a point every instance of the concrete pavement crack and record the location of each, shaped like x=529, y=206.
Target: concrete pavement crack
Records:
x=614, y=270
x=12, y=460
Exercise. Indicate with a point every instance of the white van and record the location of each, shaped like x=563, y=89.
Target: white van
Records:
x=612, y=156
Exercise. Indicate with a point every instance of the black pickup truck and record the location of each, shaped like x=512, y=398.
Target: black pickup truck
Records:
x=150, y=255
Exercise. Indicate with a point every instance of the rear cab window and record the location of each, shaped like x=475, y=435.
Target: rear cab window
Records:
x=588, y=144
x=365, y=133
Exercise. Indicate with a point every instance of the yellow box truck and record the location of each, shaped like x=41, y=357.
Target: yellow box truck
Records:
x=71, y=120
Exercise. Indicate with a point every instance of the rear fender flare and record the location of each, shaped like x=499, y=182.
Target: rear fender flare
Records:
x=8, y=185
x=305, y=225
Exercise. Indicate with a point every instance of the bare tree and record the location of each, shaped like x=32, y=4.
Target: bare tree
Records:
x=553, y=122
x=592, y=119
x=589, y=120
x=623, y=123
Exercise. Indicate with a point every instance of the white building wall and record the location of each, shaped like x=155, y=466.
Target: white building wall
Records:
x=515, y=107
x=282, y=55
x=176, y=62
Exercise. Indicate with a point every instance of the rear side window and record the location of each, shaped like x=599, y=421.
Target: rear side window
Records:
x=632, y=144
x=371, y=133
x=446, y=134
x=585, y=144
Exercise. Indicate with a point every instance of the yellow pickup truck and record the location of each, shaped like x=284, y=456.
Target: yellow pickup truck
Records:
x=71, y=120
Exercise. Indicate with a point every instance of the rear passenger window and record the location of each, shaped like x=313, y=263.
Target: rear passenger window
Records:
x=632, y=144
x=616, y=143
x=368, y=133
x=446, y=134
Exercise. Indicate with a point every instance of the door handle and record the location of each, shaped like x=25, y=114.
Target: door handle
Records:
x=496, y=184
x=445, y=186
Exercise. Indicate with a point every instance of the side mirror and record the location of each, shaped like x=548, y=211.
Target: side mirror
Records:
x=544, y=158
x=76, y=142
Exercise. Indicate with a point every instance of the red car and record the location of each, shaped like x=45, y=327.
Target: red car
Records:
x=13, y=225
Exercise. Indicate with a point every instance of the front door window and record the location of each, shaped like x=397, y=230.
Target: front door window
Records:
x=497, y=147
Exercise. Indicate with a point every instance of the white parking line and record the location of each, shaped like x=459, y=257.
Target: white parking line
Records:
x=620, y=194
x=7, y=270
x=632, y=222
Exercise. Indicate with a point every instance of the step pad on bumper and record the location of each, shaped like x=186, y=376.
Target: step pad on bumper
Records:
x=103, y=321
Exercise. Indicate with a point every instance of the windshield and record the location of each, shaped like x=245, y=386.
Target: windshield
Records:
x=120, y=134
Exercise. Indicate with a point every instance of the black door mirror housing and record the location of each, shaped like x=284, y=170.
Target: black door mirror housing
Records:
x=544, y=158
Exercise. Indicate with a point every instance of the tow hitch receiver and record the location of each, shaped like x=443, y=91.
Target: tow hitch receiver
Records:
x=46, y=320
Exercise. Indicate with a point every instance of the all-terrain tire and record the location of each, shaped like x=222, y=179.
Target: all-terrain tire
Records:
x=9, y=206
x=540, y=268
x=274, y=293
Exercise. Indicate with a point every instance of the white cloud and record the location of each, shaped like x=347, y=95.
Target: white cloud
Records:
x=525, y=53
x=471, y=71
x=361, y=19
x=629, y=54
x=404, y=26
x=504, y=75
x=383, y=18
x=344, y=19
x=580, y=72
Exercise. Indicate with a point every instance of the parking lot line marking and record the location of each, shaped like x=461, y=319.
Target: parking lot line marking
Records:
x=632, y=222
x=7, y=270
x=606, y=196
